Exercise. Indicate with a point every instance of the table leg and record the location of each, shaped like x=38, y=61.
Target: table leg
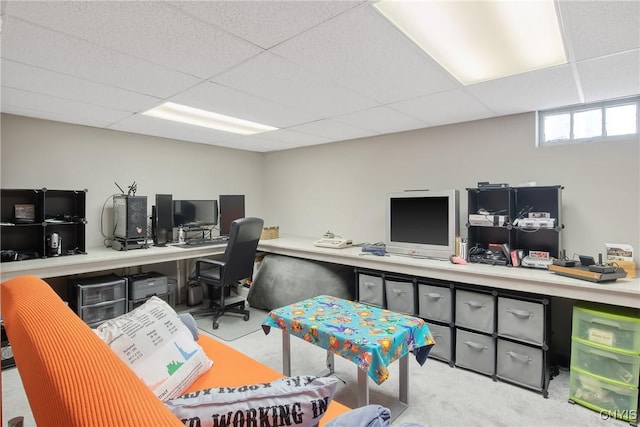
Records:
x=181, y=273
x=330, y=363
x=403, y=392
x=286, y=352
x=363, y=388
x=403, y=388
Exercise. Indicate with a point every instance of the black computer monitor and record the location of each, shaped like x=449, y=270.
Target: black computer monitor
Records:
x=162, y=220
x=195, y=213
x=231, y=208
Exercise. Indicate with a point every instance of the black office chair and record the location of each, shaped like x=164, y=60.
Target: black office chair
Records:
x=235, y=265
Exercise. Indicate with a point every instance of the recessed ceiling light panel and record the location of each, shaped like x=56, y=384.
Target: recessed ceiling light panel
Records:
x=477, y=41
x=197, y=117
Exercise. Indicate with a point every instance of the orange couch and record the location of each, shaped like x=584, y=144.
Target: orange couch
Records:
x=72, y=378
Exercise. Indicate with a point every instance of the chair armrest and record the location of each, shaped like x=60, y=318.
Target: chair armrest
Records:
x=211, y=261
x=214, y=262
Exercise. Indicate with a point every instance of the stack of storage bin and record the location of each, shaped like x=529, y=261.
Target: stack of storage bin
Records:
x=98, y=299
x=605, y=360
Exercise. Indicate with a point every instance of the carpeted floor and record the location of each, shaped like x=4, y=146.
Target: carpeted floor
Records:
x=232, y=326
x=439, y=395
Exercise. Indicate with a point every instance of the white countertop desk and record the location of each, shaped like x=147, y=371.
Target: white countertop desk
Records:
x=622, y=292
x=101, y=259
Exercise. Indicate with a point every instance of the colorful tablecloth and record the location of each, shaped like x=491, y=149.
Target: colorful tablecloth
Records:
x=368, y=336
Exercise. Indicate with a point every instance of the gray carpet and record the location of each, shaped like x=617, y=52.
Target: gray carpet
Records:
x=438, y=394
x=232, y=326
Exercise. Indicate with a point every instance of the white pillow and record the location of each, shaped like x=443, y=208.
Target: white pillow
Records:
x=291, y=401
x=154, y=342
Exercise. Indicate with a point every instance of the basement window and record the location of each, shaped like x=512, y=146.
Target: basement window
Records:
x=598, y=122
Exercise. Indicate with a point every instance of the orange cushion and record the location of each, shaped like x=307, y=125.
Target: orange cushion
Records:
x=70, y=376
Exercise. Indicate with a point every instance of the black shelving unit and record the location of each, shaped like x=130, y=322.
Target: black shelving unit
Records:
x=501, y=207
x=30, y=216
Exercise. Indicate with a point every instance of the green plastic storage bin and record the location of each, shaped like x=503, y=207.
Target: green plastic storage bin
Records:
x=617, y=366
x=614, y=327
x=615, y=400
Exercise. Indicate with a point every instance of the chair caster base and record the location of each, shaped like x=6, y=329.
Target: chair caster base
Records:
x=215, y=325
x=246, y=317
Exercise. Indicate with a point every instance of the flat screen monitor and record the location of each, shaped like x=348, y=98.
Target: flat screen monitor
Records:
x=195, y=213
x=231, y=208
x=423, y=223
x=162, y=219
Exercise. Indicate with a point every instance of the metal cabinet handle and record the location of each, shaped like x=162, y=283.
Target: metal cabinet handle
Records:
x=433, y=295
x=370, y=285
x=521, y=313
x=399, y=292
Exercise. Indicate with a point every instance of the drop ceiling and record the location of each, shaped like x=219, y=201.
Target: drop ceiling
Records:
x=321, y=71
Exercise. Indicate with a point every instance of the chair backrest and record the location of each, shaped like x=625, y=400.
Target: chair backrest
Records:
x=241, y=249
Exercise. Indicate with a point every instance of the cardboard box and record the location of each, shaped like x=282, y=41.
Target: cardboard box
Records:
x=628, y=266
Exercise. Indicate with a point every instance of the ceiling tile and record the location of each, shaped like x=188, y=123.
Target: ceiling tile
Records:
x=537, y=90
x=150, y=30
x=599, y=28
x=279, y=20
x=54, y=108
x=293, y=138
x=382, y=120
x=611, y=77
x=335, y=69
x=282, y=82
x=224, y=100
x=33, y=79
x=332, y=129
x=37, y=46
x=258, y=143
x=444, y=108
x=363, y=51
x=168, y=129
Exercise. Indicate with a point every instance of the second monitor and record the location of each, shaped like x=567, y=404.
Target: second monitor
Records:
x=195, y=213
x=231, y=208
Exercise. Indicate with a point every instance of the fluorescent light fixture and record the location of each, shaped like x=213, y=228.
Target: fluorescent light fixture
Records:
x=197, y=117
x=481, y=40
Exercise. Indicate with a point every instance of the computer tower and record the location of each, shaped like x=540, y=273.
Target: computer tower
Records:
x=231, y=208
x=130, y=217
x=129, y=222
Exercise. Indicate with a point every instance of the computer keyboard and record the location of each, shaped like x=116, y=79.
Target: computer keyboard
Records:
x=221, y=240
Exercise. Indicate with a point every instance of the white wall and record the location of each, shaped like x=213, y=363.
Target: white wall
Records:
x=342, y=186
x=39, y=153
x=339, y=187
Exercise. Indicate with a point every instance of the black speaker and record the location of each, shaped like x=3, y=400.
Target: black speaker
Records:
x=130, y=217
x=231, y=208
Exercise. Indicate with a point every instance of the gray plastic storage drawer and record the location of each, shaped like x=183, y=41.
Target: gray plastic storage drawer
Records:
x=98, y=313
x=95, y=294
x=521, y=320
x=370, y=289
x=474, y=310
x=520, y=364
x=435, y=302
x=400, y=296
x=475, y=351
x=95, y=290
x=442, y=335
